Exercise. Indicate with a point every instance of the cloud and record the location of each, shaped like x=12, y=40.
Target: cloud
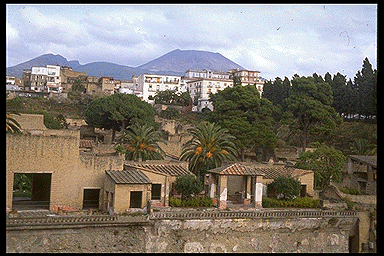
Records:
x=278, y=40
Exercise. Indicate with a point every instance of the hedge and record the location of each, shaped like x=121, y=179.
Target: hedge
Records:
x=192, y=202
x=298, y=202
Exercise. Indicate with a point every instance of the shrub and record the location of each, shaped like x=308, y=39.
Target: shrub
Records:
x=174, y=202
x=192, y=202
x=350, y=191
x=170, y=113
x=289, y=187
x=188, y=185
x=299, y=202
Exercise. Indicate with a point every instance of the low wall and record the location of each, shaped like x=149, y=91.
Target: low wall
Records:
x=216, y=231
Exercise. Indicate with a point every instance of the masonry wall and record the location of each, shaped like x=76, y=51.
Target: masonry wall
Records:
x=197, y=235
x=58, y=155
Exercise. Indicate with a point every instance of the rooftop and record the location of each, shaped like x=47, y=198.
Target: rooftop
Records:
x=128, y=177
x=165, y=169
x=236, y=169
x=371, y=160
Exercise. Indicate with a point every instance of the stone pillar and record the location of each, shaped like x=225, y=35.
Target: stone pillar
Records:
x=222, y=196
x=349, y=165
x=247, y=190
x=258, y=192
x=166, y=191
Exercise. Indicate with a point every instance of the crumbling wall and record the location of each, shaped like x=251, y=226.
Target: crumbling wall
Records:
x=192, y=235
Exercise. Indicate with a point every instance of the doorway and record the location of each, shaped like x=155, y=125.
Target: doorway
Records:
x=91, y=198
x=31, y=191
x=135, y=201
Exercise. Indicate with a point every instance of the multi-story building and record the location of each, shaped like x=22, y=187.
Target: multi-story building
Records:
x=68, y=77
x=109, y=84
x=149, y=84
x=200, y=90
x=43, y=79
x=196, y=73
x=248, y=77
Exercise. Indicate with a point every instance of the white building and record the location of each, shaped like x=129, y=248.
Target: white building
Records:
x=149, y=84
x=196, y=73
x=46, y=78
x=201, y=89
x=248, y=77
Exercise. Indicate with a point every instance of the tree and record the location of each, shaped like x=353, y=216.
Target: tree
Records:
x=365, y=81
x=188, y=185
x=140, y=142
x=119, y=111
x=276, y=91
x=172, y=97
x=239, y=109
x=326, y=162
x=361, y=146
x=310, y=104
x=209, y=147
x=287, y=187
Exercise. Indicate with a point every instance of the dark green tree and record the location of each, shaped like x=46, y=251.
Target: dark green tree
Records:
x=239, y=109
x=188, y=185
x=310, y=104
x=286, y=187
x=365, y=81
x=326, y=162
x=119, y=111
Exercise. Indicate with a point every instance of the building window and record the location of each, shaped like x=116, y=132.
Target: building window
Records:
x=156, y=192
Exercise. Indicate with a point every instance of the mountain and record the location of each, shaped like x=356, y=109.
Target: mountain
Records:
x=173, y=63
x=181, y=61
x=45, y=59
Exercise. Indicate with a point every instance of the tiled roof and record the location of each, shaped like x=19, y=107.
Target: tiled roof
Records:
x=274, y=171
x=172, y=170
x=371, y=160
x=236, y=169
x=268, y=171
x=86, y=144
x=128, y=177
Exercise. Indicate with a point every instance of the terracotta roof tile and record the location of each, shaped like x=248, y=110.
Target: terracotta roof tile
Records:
x=128, y=177
x=172, y=170
x=236, y=169
x=86, y=144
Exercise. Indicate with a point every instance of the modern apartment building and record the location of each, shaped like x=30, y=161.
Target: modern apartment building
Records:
x=201, y=89
x=248, y=77
x=149, y=84
x=43, y=79
x=196, y=73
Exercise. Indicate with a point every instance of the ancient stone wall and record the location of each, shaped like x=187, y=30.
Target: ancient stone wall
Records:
x=309, y=233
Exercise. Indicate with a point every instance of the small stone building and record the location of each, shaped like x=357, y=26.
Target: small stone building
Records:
x=235, y=180
x=247, y=183
x=141, y=182
x=361, y=174
x=126, y=189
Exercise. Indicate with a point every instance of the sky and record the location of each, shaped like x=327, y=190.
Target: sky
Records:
x=277, y=40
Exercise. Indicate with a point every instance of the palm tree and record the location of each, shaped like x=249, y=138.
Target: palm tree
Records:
x=12, y=126
x=140, y=142
x=363, y=147
x=209, y=147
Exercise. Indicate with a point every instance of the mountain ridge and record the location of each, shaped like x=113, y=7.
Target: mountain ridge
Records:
x=175, y=62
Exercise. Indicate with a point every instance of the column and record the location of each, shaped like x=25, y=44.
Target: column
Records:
x=222, y=197
x=247, y=190
x=258, y=192
x=350, y=166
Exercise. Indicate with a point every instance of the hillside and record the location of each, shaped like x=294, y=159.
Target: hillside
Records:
x=173, y=63
x=180, y=61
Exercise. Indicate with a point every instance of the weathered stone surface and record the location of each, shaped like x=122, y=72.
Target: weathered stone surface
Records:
x=192, y=235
